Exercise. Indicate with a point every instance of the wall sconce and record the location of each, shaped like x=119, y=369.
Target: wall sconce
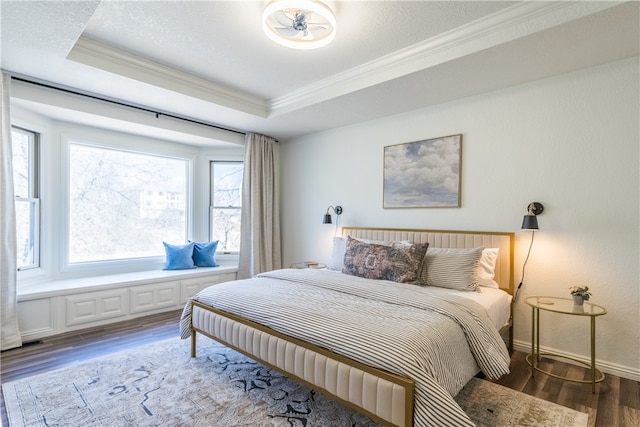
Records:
x=529, y=222
x=327, y=215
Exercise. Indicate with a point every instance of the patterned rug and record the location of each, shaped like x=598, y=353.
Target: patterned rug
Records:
x=160, y=385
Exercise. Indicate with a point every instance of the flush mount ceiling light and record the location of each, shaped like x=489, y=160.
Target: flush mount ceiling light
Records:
x=299, y=24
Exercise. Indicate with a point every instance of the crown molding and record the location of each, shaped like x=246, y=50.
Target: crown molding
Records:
x=509, y=24
x=517, y=21
x=99, y=55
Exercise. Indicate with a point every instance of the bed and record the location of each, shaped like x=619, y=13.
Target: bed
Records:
x=397, y=352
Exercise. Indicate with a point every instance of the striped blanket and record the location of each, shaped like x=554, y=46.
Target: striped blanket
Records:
x=401, y=328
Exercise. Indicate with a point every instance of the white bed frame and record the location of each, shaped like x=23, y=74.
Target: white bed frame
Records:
x=385, y=397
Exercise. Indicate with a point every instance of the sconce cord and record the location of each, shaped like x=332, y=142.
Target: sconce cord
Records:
x=515, y=296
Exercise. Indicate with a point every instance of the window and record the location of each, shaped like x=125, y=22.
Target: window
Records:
x=123, y=205
x=226, y=204
x=25, y=146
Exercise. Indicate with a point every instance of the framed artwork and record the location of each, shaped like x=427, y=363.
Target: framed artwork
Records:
x=423, y=174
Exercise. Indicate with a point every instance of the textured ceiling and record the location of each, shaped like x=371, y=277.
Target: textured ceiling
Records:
x=210, y=61
x=223, y=41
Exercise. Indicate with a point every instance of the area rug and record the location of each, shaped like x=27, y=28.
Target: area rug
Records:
x=161, y=385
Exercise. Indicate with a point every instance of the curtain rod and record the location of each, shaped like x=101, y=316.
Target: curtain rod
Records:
x=123, y=104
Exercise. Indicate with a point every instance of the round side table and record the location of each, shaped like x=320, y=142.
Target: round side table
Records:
x=567, y=307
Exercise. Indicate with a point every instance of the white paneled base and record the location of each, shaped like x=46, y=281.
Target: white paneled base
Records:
x=54, y=310
x=36, y=318
x=152, y=297
x=190, y=287
x=96, y=306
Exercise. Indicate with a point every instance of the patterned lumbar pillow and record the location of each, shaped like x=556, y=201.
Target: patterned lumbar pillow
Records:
x=398, y=263
x=451, y=268
x=340, y=246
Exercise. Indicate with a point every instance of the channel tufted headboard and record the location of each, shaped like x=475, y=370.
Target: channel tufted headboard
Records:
x=504, y=241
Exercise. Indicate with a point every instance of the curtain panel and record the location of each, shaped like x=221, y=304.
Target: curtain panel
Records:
x=260, y=229
x=10, y=333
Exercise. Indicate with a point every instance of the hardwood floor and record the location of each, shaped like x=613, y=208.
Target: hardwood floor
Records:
x=616, y=401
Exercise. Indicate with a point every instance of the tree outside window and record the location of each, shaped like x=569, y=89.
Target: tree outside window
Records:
x=226, y=204
x=123, y=205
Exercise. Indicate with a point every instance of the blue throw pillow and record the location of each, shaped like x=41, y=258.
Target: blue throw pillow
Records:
x=204, y=254
x=179, y=257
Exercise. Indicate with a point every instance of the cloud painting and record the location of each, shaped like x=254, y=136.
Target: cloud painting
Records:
x=423, y=173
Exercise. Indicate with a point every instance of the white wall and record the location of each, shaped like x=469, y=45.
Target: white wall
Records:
x=570, y=142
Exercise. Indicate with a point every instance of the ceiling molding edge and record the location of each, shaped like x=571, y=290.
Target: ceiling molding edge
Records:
x=519, y=20
x=509, y=24
x=99, y=55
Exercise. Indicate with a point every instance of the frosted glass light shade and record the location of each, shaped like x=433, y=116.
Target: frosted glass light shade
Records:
x=299, y=24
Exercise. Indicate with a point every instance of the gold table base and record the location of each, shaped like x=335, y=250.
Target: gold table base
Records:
x=599, y=375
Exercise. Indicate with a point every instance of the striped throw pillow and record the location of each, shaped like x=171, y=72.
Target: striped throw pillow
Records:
x=451, y=268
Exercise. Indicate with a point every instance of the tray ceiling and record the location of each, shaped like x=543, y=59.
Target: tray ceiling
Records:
x=210, y=60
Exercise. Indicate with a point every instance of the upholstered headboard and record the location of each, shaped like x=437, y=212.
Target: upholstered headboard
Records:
x=504, y=241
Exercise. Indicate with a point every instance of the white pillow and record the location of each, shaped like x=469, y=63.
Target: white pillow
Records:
x=340, y=247
x=337, y=254
x=487, y=268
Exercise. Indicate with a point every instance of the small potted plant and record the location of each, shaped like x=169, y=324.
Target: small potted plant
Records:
x=580, y=294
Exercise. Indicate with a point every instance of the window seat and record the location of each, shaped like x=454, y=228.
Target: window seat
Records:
x=59, y=306
x=94, y=283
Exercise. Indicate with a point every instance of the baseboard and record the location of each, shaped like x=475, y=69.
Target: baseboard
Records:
x=603, y=365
